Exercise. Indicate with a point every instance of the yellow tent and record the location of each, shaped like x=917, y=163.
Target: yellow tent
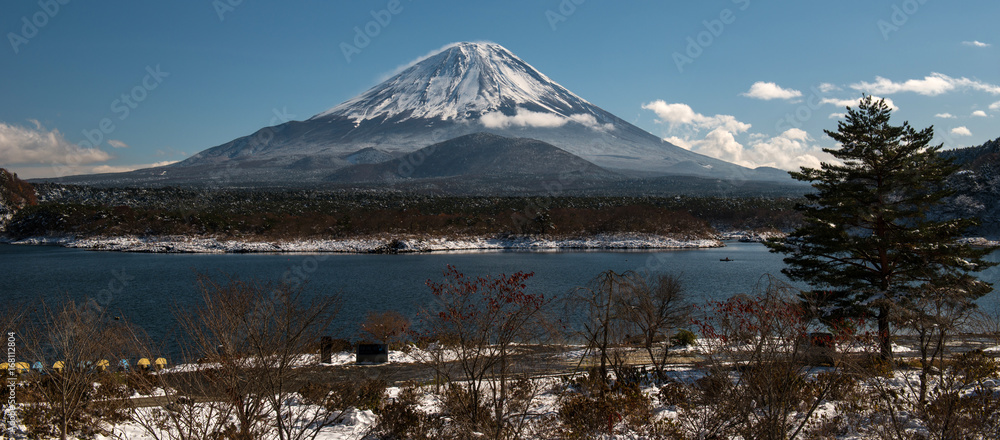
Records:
x=22, y=367
x=143, y=363
x=4, y=366
x=102, y=364
x=58, y=366
x=160, y=363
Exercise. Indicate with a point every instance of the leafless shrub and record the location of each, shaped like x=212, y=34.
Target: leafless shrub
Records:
x=253, y=339
x=81, y=393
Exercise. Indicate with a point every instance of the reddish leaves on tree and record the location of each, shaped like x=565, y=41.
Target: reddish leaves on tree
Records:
x=496, y=294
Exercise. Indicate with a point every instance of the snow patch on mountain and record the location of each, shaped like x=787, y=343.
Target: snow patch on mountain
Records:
x=472, y=80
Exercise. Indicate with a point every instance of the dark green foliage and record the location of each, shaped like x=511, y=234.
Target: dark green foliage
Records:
x=285, y=213
x=683, y=338
x=866, y=243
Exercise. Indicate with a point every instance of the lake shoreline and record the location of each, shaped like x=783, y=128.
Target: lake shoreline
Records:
x=369, y=245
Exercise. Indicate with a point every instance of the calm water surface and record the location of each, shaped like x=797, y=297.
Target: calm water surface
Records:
x=147, y=288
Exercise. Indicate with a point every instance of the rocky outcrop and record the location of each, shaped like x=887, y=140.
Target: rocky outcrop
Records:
x=14, y=195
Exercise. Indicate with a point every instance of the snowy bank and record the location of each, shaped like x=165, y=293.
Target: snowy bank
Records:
x=183, y=244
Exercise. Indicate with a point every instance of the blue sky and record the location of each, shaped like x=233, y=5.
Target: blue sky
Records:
x=748, y=81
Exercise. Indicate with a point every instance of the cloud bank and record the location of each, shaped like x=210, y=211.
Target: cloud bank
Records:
x=37, y=145
x=933, y=85
x=789, y=150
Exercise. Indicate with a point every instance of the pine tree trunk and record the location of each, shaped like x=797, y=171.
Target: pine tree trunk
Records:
x=885, y=342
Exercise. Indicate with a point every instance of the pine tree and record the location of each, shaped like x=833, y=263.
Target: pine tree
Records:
x=870, y=242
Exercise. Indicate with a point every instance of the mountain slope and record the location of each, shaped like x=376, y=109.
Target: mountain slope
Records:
x=477, y=156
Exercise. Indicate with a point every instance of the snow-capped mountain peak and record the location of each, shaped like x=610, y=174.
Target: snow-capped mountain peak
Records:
x=472, y=80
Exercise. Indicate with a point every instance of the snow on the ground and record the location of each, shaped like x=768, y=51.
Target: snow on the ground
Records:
x=752, y=236
x=411, y=355
x=356, y=423
x=181, y=244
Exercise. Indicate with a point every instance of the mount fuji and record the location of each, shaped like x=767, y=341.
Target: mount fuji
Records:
x=464, y=89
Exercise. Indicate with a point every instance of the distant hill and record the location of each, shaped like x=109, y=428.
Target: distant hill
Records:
x=978, y=186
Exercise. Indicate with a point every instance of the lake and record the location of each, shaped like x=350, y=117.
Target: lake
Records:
x=146, y=288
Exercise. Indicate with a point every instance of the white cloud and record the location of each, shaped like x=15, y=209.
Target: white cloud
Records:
x=117, y=143
x=683, y=115
x=589, y=120
x=683, y=143
x=979, y=114
x=854, y=102
x=995, y=106
x=36, y=172
x=828, y=87
x=976, y=43
x=127, y=168
x=523, y=118
x=26, y=145
x=528, y=118
x=945, y=116
x=720, y=143
x=789, y=150
x=837, y=116
x=933, y=85
x=769, y=90
x=961, y=131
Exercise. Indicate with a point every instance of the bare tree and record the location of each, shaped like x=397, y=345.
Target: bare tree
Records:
x=254, y=337
x=653, y=309
x=79, y=347
x=175, y=403
x=598, y=306
x=934, y=315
